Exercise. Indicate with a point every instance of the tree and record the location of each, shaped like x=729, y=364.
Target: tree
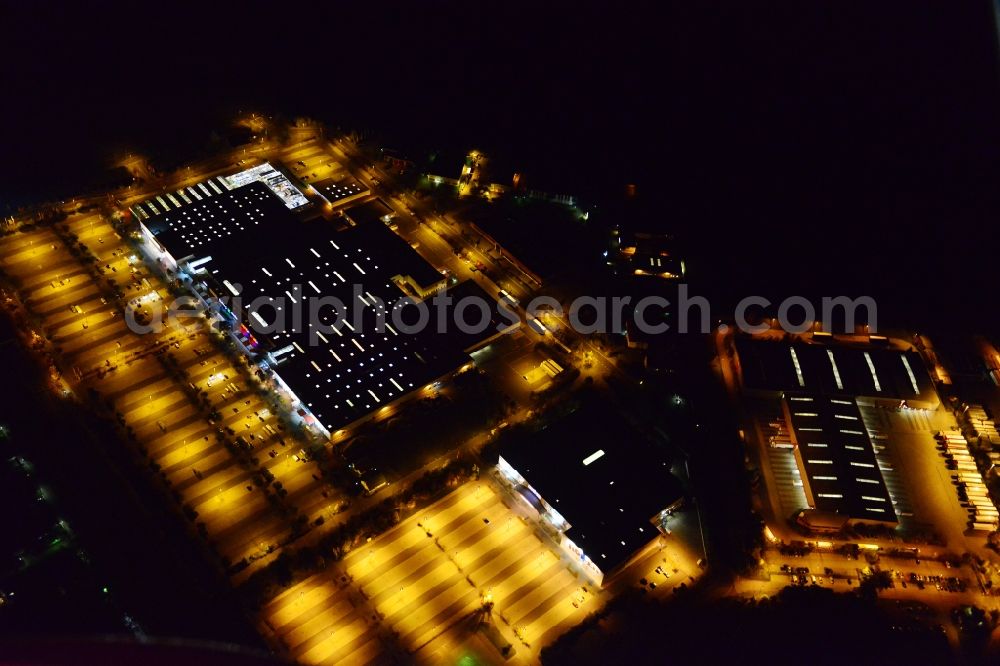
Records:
x=875, y=583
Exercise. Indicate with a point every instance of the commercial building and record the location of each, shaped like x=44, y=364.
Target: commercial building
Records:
x=322, y=312
x=822, y=384
x=871, y=372
x=836, y=459
x=594, y=486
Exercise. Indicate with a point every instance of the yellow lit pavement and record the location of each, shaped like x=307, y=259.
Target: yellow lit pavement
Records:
x=185, y=447
x=321, y=622
x=84, y=323
x=419, y=586
x=533, y=590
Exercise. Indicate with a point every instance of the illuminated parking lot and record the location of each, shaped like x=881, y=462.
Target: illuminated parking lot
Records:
x=82, y=320
x=426, y=580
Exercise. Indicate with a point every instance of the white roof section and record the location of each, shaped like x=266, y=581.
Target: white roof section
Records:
x=275, y=181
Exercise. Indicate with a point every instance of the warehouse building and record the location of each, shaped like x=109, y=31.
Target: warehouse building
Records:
x=865, y=371
x=599, y=490
x=822, y=384
x=836, y=459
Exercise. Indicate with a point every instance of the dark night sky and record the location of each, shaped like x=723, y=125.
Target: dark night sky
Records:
x=822, y=147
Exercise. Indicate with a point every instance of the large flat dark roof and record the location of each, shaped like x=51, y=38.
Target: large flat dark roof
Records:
x=261, y=248
x=838, y=457
x=609, y=500
x=372, y=232
x=369, y=211
x=833, y=369
x=474, y=316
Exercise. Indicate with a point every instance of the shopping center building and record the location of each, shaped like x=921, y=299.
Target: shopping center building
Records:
x=330, y=317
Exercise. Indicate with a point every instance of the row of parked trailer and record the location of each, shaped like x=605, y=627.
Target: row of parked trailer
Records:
x=982, y=426
x=972, y=491
x=984, y=430
x=775, y=429
x=779, y=437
